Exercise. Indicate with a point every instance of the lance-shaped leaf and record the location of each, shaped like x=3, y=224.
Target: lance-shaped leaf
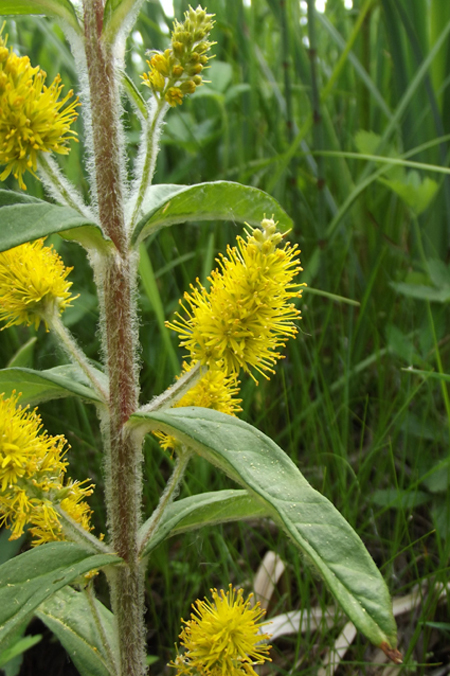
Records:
x=29, y=579
x=115, y=16
x=24, y=218
x=206, y=509
x=55, y=383
x=58, y=9
x=329, y=542
x=90, y=644
x=166, y=205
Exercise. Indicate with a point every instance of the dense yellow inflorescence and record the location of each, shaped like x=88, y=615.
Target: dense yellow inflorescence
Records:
x=247, y=315
x=177, y=72
x=32, y=469
x=223, y=637
x=32, y=117
x=33, y=284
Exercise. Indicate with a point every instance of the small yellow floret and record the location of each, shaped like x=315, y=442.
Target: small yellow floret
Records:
x=247, y=315
x=32, y=468
x=215, y=390
x=32, y=119
x=222, y=638
x=33, y=284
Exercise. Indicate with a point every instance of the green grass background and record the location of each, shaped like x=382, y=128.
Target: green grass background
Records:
x=298, y=103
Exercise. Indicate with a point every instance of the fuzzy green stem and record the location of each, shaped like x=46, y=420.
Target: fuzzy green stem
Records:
x=75, y=354
x=116, y=274
x=59, y=186
x=151, y=153
x=175, y=392
x=166, y=498
x=78, y=534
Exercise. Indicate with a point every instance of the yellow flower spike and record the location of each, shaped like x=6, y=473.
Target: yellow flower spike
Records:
x=33, y=284
x=32, y=119
x=247, y=315
x=32, y=468
x=215, y=390
x=223, y=637
x=176, y=72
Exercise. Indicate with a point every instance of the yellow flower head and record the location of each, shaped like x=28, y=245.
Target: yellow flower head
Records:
x=176, y=72
x=247, y=314
x=222, y=637
x=32, y=468
x=214, y=390
x=32, y=119
x=33, y=284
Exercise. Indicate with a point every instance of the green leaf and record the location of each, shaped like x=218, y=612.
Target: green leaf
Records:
x=314, y=524
x=24, y=355
x=29, y=579
x=69, y=616
x=18, y=648
x=416, y=193
x=58, y=9
x=422, y=292
x=399, y=498
x=24, y=218
x=55, y=383
x=205, y=509
x=220, y=200
x=115, y=16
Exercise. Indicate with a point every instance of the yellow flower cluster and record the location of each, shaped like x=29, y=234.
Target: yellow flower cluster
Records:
x=32, y=119
x=215, y=390
x=33, y=284
x=177, y=71
x=32, y=469
x=222, y=638
x=247, y=315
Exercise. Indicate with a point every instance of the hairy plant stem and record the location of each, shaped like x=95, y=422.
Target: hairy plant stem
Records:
x=60, y=188
x=116, y=274
x=153, y=124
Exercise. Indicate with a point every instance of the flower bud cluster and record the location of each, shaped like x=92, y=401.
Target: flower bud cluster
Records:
x=177, y=72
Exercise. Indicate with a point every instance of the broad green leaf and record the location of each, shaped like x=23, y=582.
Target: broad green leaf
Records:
x=58, y=9
x=416, y=193
x=422, y=292
x=69, y=616
x=24, y=218
x=314, y=524
x=205, y=509
x=55, y=383
x=220, y=200
x=29, y=579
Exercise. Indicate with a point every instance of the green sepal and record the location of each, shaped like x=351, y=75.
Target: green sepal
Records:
x=206, y=509
x=68, y=615
x=326, y=539
x=24, y=218
x=29, y=579
x=57, y=9
x=38, y=386
x=167, y=204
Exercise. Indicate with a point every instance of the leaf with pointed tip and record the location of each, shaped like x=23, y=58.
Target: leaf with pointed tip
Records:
x=29, y=579
x=167, y=204
x=68, y=615
x=314, y=524
x=206, y=509
x=24, y=218
x=54, y=383
x=115, y=16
